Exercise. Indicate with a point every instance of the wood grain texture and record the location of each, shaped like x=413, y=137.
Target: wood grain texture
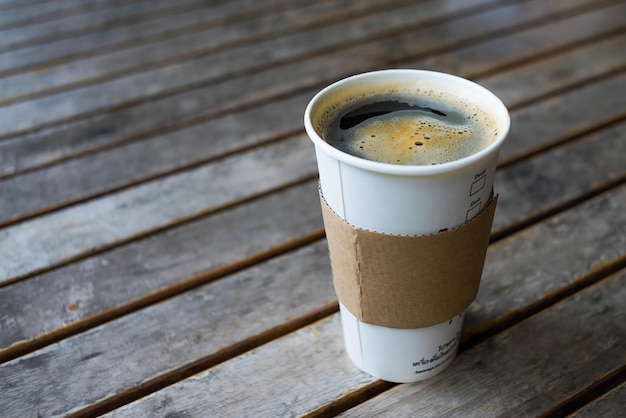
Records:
x=72, y=25
x=48, y=145
x=612, y=404
x=206, y=69
x=17, y=4
x=518, y=373
x=161, y=247
x=505, y=292
x=551, y=179
x=175, y=49
x=513, y=373
x=517, y=269
x=528, y=189
x=58, y=185
x=520, y=46
x=192, y=253
x=40, y=57
x=559, y=70
x=550, y=122
x=23, y=16
x=79, y=230
x=171, y=151
x=308, y=367
x=209, y=319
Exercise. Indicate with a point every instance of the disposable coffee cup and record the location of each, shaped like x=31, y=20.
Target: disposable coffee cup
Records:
x=432, y=205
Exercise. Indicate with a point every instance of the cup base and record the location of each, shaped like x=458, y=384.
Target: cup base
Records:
x=400, y=355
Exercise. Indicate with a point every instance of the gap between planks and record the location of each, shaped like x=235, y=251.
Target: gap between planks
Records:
x=276, y=34
x=595, y=390
x=536, y=219
x=161, y=228
x=162, y=174
x=506, y=231
x=547, y=53
x=549, y=18
x=20, y=4
x=553, y=211
x=37, y=343
x=124, y=20
x=144, y=40
x=221, y=112
x=196, y=28
x=605, y=384
x=60, y=13
x=281, y=62
x=600, y=387
x=214, y=274
x=199, y=119
x=563, y=207
x=559, y=142
x=175, y=125
x=571, y=137
x=200, y=365
x=217, y=273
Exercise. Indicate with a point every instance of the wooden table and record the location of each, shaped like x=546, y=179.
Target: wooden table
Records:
x=161, y=245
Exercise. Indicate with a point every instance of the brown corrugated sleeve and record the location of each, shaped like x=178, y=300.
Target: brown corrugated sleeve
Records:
x=407, y=281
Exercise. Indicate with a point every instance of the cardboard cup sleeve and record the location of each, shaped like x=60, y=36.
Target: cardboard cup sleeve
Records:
x=407, y=282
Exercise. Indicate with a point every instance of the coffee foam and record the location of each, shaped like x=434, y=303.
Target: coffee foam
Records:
x=409, y=137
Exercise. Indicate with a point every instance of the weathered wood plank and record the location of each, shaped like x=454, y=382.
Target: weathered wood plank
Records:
x=61, y=236
x=39, y=57
x=91, y=133
x=518, y=269
x=114, y=63
x=559, y=70
x=59, y=185
x=186, y=47
x=17, y=265
x=72, y=25
x=550, y=180
x=23, y=16
x=513, y=374
x=190, y=253
x=522, y=45
x=216, y=316
x=540, y=198
x=563, y=121
x=518, y=374
x=83, y=366
x=87, y=135
x=156, y=82
x=18, y=4
x=311, y=356
x=187, y=145
x=205, y=69
x=601, y=220
x=612, y=404
x=596, y=160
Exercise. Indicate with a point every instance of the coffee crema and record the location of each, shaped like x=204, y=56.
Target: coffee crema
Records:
x=408, y=126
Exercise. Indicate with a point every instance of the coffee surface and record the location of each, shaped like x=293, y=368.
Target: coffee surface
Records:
x=410, y=127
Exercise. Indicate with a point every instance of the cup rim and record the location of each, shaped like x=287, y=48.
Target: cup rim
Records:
x=408, y=170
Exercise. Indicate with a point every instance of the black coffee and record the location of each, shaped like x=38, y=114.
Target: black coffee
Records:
x=411, y=127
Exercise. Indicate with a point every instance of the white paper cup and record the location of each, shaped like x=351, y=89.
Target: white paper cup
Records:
x=407, y=200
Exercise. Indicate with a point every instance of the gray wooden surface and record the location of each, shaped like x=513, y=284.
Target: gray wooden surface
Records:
x=161, y=245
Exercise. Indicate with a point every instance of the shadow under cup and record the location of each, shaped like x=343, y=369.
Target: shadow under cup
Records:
x=408, y=200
